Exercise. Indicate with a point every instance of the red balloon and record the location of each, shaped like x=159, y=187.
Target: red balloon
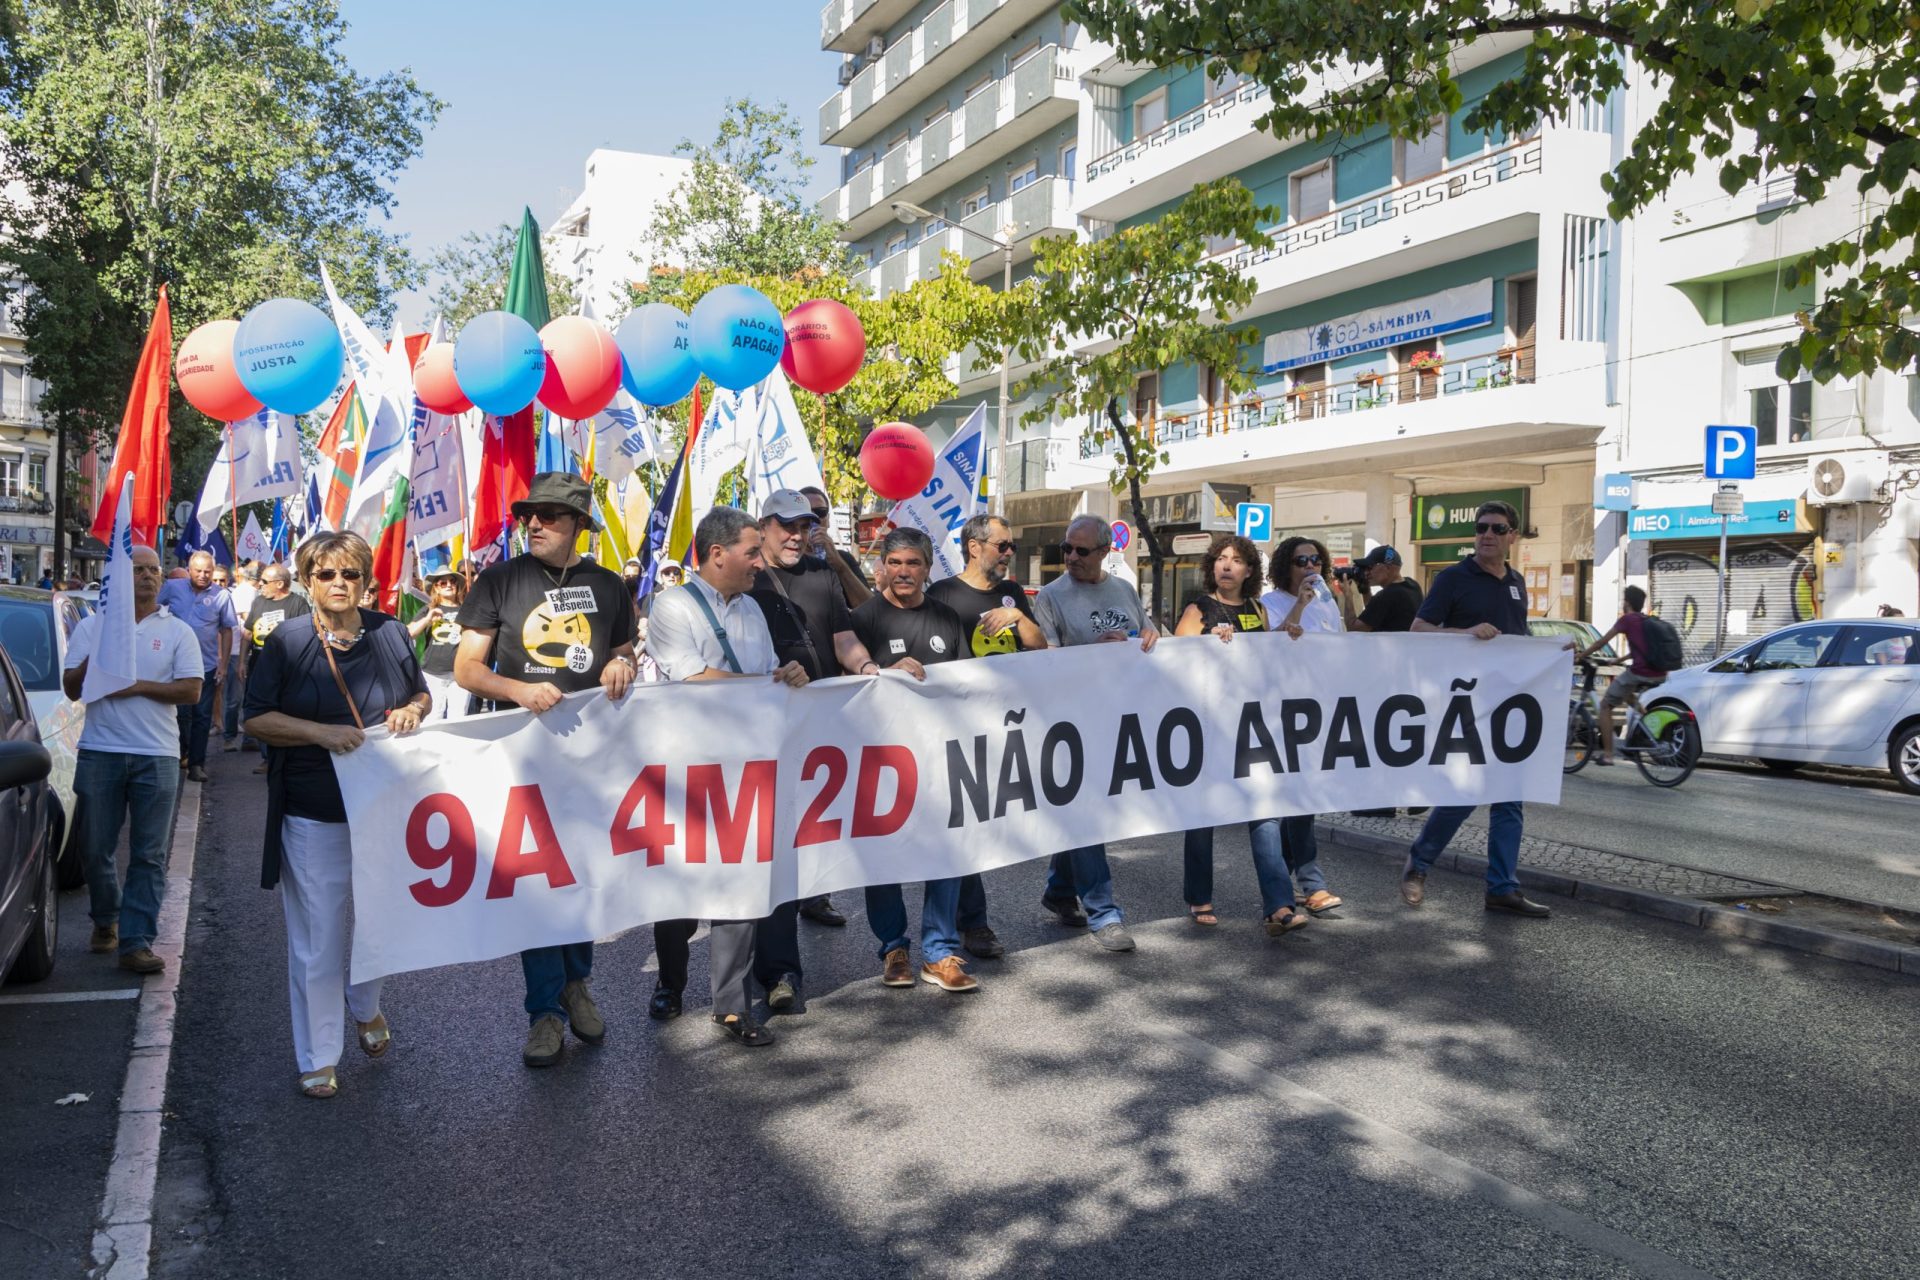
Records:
x=583, y=367
x=897, y=461
x=825, y=345
x=434, y=383
x=208, y=377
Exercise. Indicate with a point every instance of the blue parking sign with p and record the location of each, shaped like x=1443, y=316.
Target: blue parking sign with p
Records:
x=1253, y=520
x=1732, y=452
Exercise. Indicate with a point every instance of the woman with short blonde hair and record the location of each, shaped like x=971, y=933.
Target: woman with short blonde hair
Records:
x=318, y=683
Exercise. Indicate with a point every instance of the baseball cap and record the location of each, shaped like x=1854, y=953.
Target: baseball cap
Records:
x=786, y=504
x=670, y=566
x=1378, y=556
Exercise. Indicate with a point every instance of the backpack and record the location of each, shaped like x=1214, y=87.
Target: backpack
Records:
x=1663, y=644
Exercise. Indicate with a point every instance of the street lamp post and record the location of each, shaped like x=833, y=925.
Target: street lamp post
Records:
x=912, y=213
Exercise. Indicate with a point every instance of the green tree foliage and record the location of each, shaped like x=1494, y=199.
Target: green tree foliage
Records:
x=472, y=275
x=1824, y=90
x=741, y=208
x=911, y=334
x=1144, y=299
x=223, y=147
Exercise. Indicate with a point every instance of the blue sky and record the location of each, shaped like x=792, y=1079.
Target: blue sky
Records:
x=531, y=89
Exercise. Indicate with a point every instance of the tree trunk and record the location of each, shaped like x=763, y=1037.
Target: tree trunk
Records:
x=1140, y=521
x=60, y=497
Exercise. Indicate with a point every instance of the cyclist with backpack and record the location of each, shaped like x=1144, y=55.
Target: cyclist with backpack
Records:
x=1654, y=651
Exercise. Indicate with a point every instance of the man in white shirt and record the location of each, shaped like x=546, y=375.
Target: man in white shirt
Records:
x=128, y=768
x=711, y=629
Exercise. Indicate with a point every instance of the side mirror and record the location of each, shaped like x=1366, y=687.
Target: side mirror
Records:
x=22, y=763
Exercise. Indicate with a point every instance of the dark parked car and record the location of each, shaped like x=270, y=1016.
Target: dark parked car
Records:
x=29, y=912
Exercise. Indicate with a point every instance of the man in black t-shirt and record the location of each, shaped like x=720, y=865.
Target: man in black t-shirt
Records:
x=1395, y=599
x=277, y=602
x=909, y=632
x=997, y=613
x=533, y=629
x=807, y=616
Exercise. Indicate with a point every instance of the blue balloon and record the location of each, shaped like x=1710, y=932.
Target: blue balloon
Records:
x=499, y=362
x=288, y=355
x=656, y=354
x=737, y=336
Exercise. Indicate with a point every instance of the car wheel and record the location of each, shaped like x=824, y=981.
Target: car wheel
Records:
x=70, y=871
x=1783, y=766
x=1903, y=758
x=36, y=957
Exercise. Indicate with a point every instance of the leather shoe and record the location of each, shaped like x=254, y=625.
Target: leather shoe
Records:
x=1517, y=904
x=1067, y=910
x=1413, y=886
x=820, y=911
x=664, y=1005
x=982, y=943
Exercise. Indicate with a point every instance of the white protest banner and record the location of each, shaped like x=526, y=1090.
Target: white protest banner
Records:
x=259, y=460
x=951, y=496
x=113, y=664
x=486, y=836
x=780, y=456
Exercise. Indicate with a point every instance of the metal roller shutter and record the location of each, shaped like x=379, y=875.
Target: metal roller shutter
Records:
x=1770, y=583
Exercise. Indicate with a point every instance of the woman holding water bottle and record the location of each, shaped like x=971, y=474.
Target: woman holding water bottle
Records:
x=1301, y=601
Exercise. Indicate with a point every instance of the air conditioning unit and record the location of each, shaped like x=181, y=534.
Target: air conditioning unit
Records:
x=848, y=70
x=1835, y=478
x=876, y=47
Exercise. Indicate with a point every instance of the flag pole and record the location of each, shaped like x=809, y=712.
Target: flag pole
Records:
x=233, y=500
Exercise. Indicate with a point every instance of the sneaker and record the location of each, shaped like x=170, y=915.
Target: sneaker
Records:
x=949, y=975
x=582, y=1014
x=142, y=960
x=783, y=994
x=1114, y=937
x=982, y=944
x=196, y=773
x=544, y=1041
x=896, y=970
x=1066, y=910
x=261, y=767
x=232, y=745
x=106, y=939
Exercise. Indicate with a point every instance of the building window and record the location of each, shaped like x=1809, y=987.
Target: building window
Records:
x=1309, y=391
x=1149, y=113
x=10, y=476
x=862, y=164
x=1025, y=177
x=1023, y=54
x=1312, y=191
x=37, y=475
x=1426, y=155
x=894, y=245
x=1782, y=413
x=1146, y=399
x=1070, y=162
x=1418, y=370
x=1523, y=315
x=974, y=203
x=897, y=140
x=979, y=87
x=934, y=226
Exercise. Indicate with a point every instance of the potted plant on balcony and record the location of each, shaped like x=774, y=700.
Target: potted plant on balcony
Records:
x=1426, y=362
x=1366, y=390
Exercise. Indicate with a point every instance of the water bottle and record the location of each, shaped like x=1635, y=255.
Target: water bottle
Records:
x=1320, y=589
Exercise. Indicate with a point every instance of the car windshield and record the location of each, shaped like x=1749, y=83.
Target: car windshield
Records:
x=1582, y=633
x=26, y=633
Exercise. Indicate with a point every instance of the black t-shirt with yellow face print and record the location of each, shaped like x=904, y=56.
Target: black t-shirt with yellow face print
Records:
x=267, y=614
x=972, y=604
x=551, y=626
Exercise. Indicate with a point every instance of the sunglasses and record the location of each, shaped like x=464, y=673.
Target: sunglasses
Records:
x=549, y=515
x=1492, y=526
x=328, y=575
x=1004, y=548
x=1070, y=549
x=1306, y=560
x=819, y=513
x=801, y=522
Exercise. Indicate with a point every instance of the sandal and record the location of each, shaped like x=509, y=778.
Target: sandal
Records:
x=1286, y=922
x=1321, y=901
x=320, y=1084
x=376, y=1037
x=1203, y=916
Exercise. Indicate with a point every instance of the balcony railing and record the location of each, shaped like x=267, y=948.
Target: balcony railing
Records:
x=1173, y=130
x=946, y=27
x=26, y=502
x=837, y=15
x=1035, y=209
x=1509, y=366
x=1481, y=173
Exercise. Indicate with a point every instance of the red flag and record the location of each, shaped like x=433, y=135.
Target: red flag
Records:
x=339, y=450
x=144, y=431
x=506, y=469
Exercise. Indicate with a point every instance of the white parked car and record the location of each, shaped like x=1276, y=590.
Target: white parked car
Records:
x=1828, y=692
x=34, y=626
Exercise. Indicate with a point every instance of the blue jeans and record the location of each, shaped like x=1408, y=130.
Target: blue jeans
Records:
x=973, y=903
x=1301, y=848
x=235, y=692
x=196, y=722
x=1085, y=872
x=1505, y=822
x=548, y=970
x=116, y=787
x=1269, y=865
x=939, y=909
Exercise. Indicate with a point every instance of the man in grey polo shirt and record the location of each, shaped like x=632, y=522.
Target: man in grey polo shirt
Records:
x=711, y=629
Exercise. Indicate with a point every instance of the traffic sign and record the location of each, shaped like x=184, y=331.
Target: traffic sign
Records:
x=1728, y=502
x=1732, y=452
x=1254, y=520
x=1122, y=535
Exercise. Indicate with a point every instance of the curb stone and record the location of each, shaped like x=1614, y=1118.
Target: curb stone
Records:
x=1729, y=922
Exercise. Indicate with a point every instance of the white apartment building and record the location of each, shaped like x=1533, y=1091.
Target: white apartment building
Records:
x=601, y=241
x=1440, y=320
x=26, y=460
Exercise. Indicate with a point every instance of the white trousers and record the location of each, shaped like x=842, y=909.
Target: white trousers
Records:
x=316, y=891
x=449, y=699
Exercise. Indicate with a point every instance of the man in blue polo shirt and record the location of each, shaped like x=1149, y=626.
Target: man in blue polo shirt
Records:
x=1482, y=597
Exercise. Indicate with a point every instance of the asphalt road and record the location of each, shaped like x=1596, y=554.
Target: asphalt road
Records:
x=1826, y=833
x=1386, y=1094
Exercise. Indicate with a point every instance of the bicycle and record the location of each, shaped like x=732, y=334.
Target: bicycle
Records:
x=1663, y=743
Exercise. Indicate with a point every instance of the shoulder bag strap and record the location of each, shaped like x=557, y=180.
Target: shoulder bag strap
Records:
x=719, y=632
x=340, y=683
x=799, y=620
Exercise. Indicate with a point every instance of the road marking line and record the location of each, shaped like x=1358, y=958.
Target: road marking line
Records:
x=1409, y=1150
x=73, y=997
x=123, y=1238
